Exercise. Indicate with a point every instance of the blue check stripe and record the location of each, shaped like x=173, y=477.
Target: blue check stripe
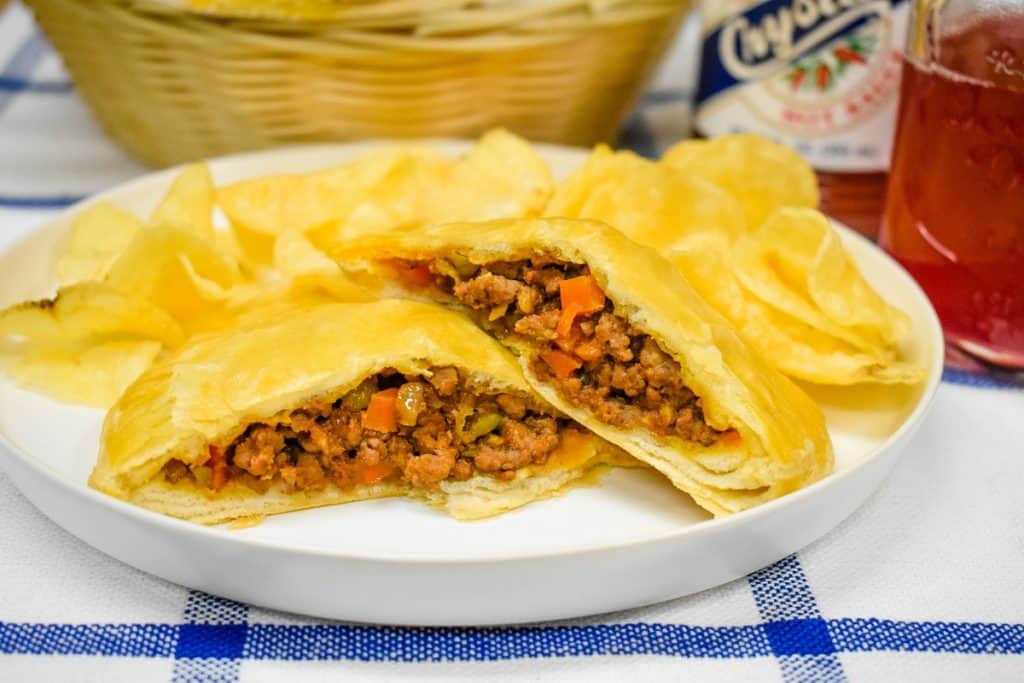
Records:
x=13, y=84
x=112, y=640
x=210, y=642
x=216, y=637
x=39, y=203
x=15, y=74
x=472, y=644
x=387, y=644
x=30, y=52
x=15, y=79
x=982, y=381
x=800, y=638
x=969, y=638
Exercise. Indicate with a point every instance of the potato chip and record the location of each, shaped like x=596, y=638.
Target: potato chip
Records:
x=795, y=348
x=757, y=267
x=703, y=261
x=572, y=193
x=796, y=247
x=161, y=265
x=650, y=203
x=838, y=288
x=294, y=255
x=312, y=271
x=210, y=290
x=97, y=237
x=89, y=311
x=502, y=177
x=396, y=189
x=222, y=307
x=95, y=376
x=302, y=276
x=762, y=175
x=227, y=243
x=188, y=204
x=805, y=353
x=403, y=198
x=262, y=207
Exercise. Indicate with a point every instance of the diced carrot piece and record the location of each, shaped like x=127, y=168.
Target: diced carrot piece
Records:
x=568, y=342
x=413, y=275
x=371, y=474
x=562, y=364
x=583, y=292
x=219, y=468
x=382, y=413
x=566, y=319
x=588, y=351
x=576, y=345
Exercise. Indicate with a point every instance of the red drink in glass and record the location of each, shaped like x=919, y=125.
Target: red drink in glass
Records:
x=955, y=207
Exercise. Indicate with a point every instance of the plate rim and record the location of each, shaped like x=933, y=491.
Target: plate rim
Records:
x=222, y=534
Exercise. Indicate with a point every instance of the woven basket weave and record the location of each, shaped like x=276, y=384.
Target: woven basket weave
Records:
x=173, y=84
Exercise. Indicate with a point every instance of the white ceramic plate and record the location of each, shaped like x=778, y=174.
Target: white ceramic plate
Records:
x=631, y=541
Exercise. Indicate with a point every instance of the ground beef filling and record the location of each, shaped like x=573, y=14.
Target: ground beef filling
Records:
x=439, y=429
x=603, y=363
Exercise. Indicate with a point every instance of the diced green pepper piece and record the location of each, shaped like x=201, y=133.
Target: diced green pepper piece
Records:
x=359, y=398
x=463, y=266
x=485, y=424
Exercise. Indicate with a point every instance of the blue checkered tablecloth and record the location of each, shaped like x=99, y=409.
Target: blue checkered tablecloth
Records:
x=924, y=583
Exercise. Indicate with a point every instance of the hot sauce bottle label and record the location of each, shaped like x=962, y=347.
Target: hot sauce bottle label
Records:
x=819, y=75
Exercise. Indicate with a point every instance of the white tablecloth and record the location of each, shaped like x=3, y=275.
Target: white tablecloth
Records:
x=924, y=583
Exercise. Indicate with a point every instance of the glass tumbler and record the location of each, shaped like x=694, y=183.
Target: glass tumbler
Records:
x=954, y=214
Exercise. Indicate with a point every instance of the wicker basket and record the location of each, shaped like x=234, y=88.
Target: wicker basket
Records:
x=173, y=84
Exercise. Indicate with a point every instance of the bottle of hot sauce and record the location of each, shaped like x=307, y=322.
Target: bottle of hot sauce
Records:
x=819, y=75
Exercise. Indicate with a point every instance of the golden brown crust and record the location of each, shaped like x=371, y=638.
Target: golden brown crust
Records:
x=784, y=444
x=214, y=386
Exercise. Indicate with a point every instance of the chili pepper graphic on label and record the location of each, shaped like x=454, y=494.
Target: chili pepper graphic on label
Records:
x=845, y=54
x=822, y=76
x=796, y=78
